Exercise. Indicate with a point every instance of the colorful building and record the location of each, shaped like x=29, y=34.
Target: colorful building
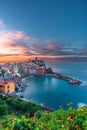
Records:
x=40, y=70
x=40, y=66
x=7, y=86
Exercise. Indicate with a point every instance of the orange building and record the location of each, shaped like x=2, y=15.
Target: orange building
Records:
x=41, y=70
x=7, y=86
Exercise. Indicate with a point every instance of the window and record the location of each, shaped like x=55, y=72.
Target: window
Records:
x=8, y=88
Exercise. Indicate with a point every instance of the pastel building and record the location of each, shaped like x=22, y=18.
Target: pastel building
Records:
x=40, y=70
x=40, y=66
x=32, y=70
x=7, y=86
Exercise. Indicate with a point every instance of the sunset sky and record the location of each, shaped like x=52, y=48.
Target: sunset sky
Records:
x=54, y=30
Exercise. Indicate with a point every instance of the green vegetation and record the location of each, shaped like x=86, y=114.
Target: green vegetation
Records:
x=17, y=106
x=59, y=120
x=14, y=107
x=16, y=114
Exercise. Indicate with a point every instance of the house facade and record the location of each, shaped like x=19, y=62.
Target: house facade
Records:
x=40, y=66
x=7, y=86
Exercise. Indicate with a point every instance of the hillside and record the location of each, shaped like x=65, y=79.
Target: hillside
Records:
x=14, y=107
x=16, y=114
x=61, y=119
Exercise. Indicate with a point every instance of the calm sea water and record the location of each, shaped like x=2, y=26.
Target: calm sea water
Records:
x=52, y=92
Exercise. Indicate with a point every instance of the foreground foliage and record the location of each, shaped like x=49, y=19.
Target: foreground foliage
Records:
x=14, y=107
x=17, y=106
x=61, y=119
x=16, y=114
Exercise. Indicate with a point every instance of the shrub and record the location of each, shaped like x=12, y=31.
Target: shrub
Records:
x=61, y=119
x=3, y=108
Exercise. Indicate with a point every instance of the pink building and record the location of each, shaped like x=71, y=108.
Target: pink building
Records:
x=41, y=70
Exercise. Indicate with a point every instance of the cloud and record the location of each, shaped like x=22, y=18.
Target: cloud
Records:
x=2, y=23
x=13, y=49
x=12, y=42
x=13, y=35
x=52, y=49
x=18, y=43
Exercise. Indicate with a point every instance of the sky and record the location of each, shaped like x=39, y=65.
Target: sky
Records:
x=54, y=30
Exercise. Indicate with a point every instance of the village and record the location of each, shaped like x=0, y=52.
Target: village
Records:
x=11, y=75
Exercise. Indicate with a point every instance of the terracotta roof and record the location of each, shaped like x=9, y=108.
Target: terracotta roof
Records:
x=3, y=83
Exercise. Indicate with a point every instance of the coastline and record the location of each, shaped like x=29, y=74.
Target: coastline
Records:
x=22, y=86
x=54, y=75
x=44, y=108
x=70, y=80
x=66, y=78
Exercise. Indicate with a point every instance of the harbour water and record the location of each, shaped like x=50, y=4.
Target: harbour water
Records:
x=52, y=93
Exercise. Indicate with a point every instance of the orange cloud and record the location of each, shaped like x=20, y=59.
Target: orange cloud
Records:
x=50, y=46
x=16, y=45
x=19, y=35
x=10, y=34
x=13, y=49
x=12, y=42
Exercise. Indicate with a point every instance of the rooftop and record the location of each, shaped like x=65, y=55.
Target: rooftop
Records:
x=3, y=83
x=39, y=62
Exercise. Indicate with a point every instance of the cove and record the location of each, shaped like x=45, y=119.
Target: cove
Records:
x=52, y=93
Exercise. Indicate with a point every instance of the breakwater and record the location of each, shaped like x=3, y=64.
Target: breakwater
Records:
x=59, y=76
x=21, y=86
x=66, y=78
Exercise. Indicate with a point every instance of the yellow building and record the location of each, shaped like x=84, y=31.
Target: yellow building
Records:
x=7, y=86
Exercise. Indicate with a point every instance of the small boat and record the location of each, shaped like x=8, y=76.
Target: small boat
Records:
x=76, y=82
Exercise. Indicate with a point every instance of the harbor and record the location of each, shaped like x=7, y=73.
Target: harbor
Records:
x=17, y=72
x=66, y=78
x=49, y=72
x=38, y=83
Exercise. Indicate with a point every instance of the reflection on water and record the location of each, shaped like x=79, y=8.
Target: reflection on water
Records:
x=53, y=92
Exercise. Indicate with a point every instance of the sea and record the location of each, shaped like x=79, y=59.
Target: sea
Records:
x=55, y=93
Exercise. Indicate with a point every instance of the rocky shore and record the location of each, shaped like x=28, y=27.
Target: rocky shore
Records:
x=21, y=83
x=66, y=78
